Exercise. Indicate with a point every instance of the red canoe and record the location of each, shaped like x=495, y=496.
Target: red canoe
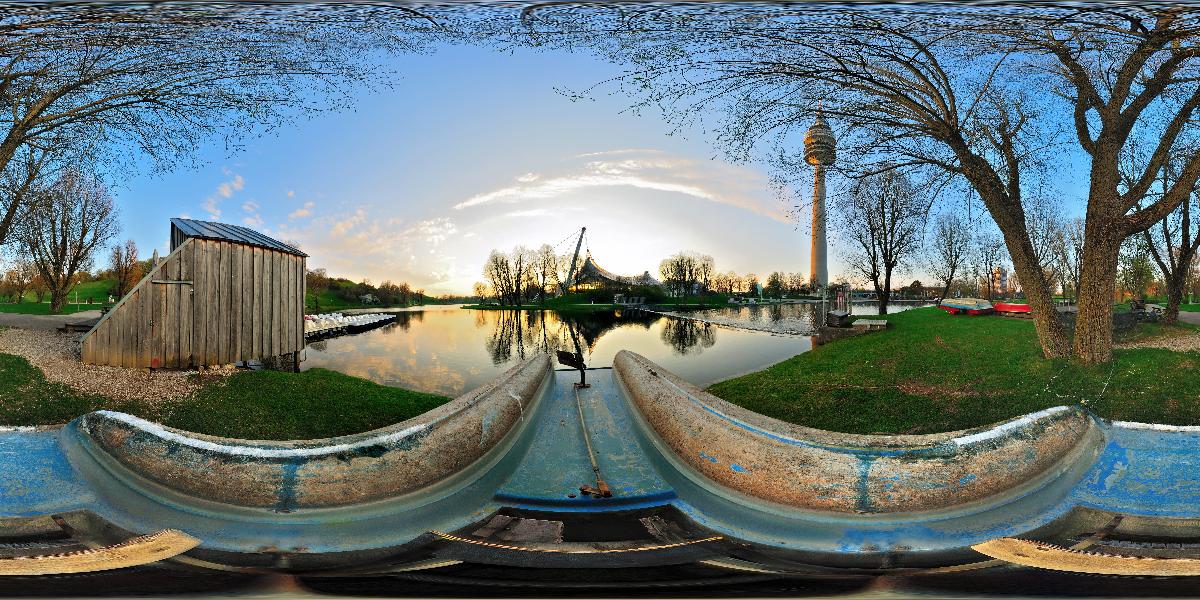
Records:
x=1010, y=307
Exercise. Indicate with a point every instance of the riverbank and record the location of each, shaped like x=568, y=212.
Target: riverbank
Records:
x=42, y=382
x=931, y=371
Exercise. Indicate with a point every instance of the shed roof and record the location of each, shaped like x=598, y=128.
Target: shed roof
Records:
x=209, y=230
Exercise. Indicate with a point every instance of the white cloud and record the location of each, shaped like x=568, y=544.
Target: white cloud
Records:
x=536, y=212
x=254, y=221
x=708, y=181
x=302, y=212
x=250, y=206
x=364, y=244
x=291, y=194
x=226, y=190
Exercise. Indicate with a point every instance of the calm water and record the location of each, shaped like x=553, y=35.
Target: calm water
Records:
x=448, y=350
x=785, y=318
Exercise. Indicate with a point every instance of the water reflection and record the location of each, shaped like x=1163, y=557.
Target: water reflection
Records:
x=792, y=319
x=686, y=336
x=447, y=350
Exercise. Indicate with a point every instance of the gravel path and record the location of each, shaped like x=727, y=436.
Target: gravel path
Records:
x=57, y=355
x=44, y=322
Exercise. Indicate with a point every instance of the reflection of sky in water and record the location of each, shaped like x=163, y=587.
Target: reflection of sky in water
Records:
x=451, y=351
x=796, y=317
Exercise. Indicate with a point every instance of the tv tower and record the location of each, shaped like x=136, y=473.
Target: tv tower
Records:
x=820, y=150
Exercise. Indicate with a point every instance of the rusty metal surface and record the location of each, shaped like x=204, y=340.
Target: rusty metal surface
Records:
x=558, y=463
x=810, y=469
x=286, y=476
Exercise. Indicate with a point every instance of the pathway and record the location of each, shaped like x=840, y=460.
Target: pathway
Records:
x=46, y=322
x=1186, y=342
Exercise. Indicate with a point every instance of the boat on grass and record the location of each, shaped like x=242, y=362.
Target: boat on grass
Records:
x=966, y=306
x=1013, y=308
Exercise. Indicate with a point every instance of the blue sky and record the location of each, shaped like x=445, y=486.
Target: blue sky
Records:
x=474, y=149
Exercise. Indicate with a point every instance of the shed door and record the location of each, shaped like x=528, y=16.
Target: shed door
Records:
x=171, y=327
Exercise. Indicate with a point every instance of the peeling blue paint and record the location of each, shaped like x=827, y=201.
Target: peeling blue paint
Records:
x=738, y=468
x=711, y=459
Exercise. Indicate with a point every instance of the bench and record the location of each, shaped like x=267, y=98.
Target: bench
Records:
x=871, y=324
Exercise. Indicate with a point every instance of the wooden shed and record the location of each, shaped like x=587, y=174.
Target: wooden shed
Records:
x=225, y=294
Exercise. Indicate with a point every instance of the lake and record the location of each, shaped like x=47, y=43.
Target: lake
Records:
x=449, y=350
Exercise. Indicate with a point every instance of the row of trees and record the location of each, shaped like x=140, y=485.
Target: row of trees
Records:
x=524, y=275
x=388, y=293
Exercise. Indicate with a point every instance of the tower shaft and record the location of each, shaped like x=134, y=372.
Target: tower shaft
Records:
x=819, y=267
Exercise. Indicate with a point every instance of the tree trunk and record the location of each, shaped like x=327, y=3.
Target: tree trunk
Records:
x=1175, y=287
x=1097, y=285
x=57, y=299
x=945, y=291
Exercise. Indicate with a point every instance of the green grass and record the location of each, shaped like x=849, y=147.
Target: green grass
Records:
x=931, y=371
x=27, y=398
x=97, y=291
x=323, y=301
x=312, y=404
x=264, y=405
x=1189, y=307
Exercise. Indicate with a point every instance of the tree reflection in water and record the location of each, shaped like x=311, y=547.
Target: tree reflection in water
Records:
x=516, y=335
x=686, y=335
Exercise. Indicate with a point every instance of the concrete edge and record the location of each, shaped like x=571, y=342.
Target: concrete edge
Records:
x=353, y=469
x=810, y=469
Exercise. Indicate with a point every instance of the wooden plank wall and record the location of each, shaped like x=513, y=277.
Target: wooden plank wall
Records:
x=242, y=303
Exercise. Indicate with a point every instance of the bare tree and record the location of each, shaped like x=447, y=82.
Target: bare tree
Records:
x=545, y=270
x=882, y=217
x=949, y=250
x=989, y=259
x=705, y=266
x=125, y=267
x=498, y=271
x=1068, y=254
x=1173, y=243
x=1136, y=273
x=62, y=228
x=961, y=92
x=681, y=270
x=107, y=79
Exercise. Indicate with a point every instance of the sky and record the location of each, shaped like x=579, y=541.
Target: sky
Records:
x=472, y=150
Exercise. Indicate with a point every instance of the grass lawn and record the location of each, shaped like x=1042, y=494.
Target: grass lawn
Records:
x=932, y=371
x=1189, y=307
x=323, y=301
x=265, y=405
x=97, y=291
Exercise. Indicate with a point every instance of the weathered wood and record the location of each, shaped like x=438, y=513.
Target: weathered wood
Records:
x=212, y=309
x=247, y=304
x=257, y=291
x=208, y=303
x=200, y=326
x=183, y=351
x=235, y=303
x=224, y=300
x=274, y=294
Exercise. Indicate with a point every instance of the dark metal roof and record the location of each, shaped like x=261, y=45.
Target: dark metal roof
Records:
x=209, y=230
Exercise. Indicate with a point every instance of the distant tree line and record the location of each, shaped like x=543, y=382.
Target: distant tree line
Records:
x=387, y=293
